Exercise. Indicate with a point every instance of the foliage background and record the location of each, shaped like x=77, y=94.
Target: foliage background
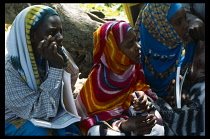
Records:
x=109, y=9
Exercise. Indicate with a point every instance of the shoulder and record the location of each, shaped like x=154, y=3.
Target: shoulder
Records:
x=10, y=71
x=8, y=62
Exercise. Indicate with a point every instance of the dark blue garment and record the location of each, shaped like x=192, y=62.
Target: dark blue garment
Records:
x=161, y=47
x=28, y=129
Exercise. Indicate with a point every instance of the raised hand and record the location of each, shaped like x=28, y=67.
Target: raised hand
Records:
x=140, y=101
x=197, y=29
x=49, y=50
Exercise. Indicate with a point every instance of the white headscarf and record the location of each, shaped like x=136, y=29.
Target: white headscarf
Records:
x=19, y=44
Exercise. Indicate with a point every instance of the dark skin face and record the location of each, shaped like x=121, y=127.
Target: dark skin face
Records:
x=180, y=24
x=47, y=41
x=129, y=46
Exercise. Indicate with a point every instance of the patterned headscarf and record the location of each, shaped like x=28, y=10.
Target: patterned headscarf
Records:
x=115, y=59
x=19, y=44
x=114, y=77
x=162, y=48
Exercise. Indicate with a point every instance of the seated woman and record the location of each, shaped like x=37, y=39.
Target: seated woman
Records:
x=165, y=44
x=105, y=99
x=34, y=66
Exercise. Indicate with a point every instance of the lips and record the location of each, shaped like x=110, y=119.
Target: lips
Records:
x=138, y=56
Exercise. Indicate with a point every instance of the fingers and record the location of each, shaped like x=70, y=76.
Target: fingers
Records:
x=47, y=41
x=197, y=32
x=146, y=125
x=141, y=103
x=54, y=37
x=140, y=97
x=47, y=49
x=44, y=45
x=55, y=49
x=139, y=124
x=145, y=120
x=145, y=130
x=184, y=96
x=39, y=48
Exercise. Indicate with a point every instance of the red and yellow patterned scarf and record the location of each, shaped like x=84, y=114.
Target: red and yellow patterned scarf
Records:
x=114, y=77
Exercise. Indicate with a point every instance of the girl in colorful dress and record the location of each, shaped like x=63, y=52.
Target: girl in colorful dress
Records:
x=105, y=101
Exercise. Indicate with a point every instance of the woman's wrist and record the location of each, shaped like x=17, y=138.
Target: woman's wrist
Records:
x=123, y=127
x=116, y=125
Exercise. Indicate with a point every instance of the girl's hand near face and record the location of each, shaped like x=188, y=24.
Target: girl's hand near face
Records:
x=49, y=50
x=197, y=29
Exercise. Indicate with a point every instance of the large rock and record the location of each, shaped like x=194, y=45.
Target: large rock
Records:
x=78, y=30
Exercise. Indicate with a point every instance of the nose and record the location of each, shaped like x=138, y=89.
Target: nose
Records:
x=137, y=46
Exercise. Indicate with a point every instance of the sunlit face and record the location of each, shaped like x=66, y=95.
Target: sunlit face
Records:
x=51, y=26
x=180, y=24
x=129, y=46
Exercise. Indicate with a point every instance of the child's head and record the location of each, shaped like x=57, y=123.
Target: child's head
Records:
x=116, y=46
x=164, y=22
x=126, y=41
x=179, y=23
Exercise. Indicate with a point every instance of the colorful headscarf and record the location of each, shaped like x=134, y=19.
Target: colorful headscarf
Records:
x=114, y=77
x=19, y=44
x=161, y=48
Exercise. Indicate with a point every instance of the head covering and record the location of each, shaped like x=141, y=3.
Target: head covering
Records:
x=114, y=77
x=161, y=47
x=173, y=8
x=42, y=15
x=114, y=59
x=19, y=44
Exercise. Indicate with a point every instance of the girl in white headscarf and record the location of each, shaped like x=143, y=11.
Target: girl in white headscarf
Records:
x=34, y=67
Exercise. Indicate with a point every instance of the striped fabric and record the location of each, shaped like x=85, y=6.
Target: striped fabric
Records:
x=190, y=119
x=107, y=91
x=29, y=19
x=115, y=59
